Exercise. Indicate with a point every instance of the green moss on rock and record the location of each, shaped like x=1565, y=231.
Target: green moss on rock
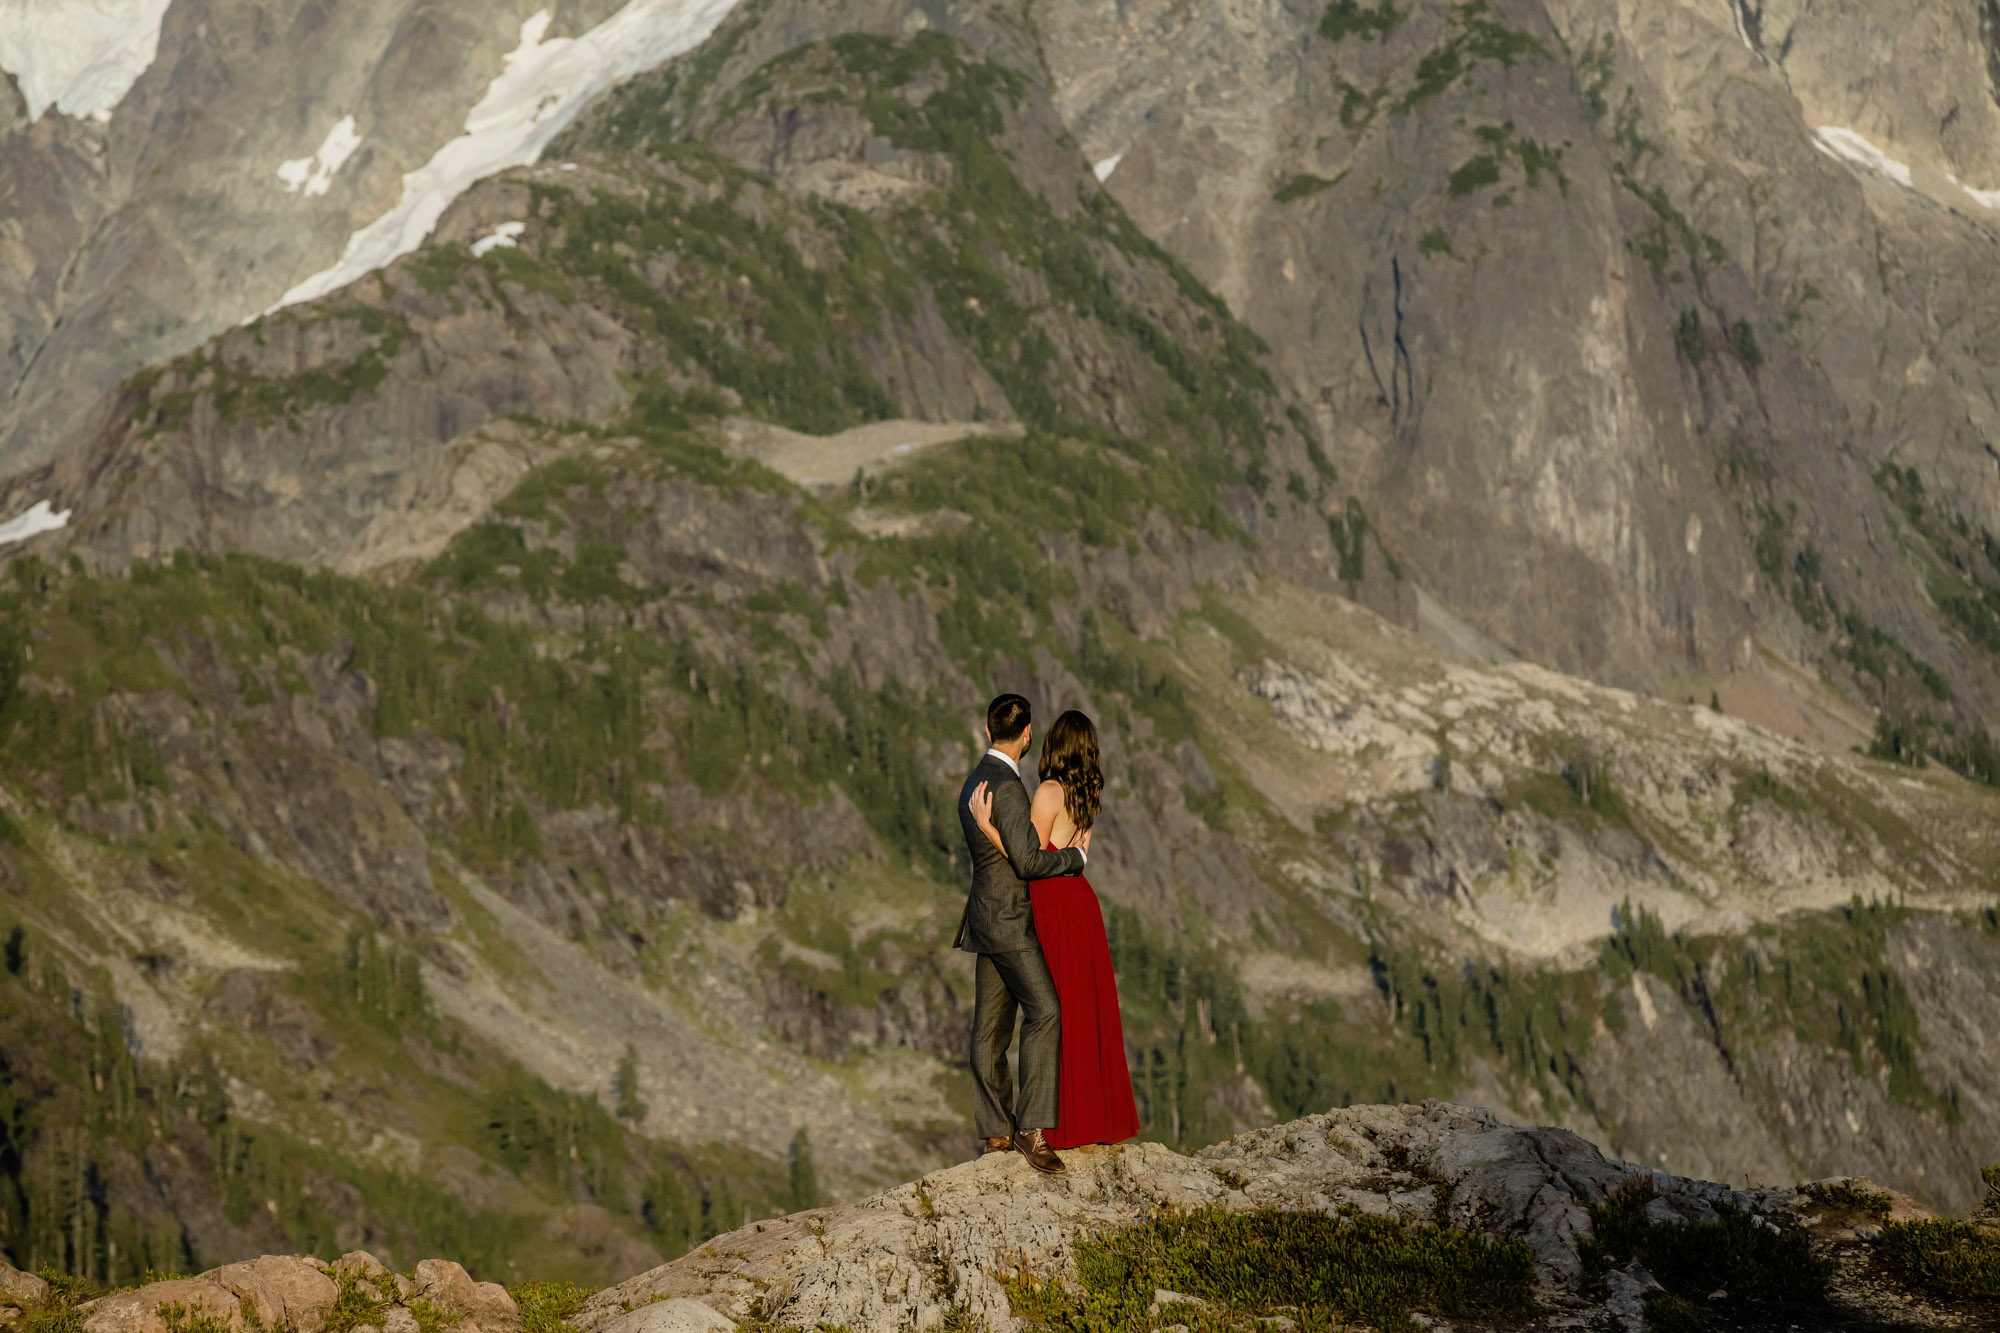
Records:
x=1317, y=1270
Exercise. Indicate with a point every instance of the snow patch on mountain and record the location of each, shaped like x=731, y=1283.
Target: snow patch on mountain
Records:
x=1102, y=169
x=39, y=519
x=1743, y=29
x=1984, y=198
x=79, y=56
x=1848, y=146
x=315, y=174
x=1845, y=144
x=541, y=90
x=503, y=237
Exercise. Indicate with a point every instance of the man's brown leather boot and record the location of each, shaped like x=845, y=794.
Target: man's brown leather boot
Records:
x=1039, y=1154
x=1001, y=1144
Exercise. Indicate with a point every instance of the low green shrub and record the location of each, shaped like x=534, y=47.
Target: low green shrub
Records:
x=1952, y=1259
x=1668, y=1313
x=185, y=1319
x=1746, y=1256
x=547, y=1306
x=431, y=1316
x=1347, y=18
x=1848, y=1196
x=1317, y=1269
x=58, y=1312
x=1304, y=186
x=352, y=1307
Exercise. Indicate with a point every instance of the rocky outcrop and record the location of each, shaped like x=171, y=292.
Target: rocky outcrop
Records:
x=938, y=1249
x=485, y=1306
x=269, y=1292
x=20, y=1293
x=291, y=1292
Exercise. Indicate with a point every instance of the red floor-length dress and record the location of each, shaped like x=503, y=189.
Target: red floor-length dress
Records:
x=1094, y=1086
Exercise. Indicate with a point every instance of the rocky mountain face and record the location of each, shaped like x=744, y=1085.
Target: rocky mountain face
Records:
x=479, y=751
x=1696, y=180
x=1683, y=310
x=163, y=201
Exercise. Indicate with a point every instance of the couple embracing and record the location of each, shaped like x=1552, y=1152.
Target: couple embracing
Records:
x=1035, y=924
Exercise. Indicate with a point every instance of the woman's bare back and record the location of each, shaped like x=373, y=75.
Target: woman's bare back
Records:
x=1050, y=814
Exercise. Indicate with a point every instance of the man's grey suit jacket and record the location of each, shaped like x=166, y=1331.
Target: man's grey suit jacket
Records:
x=998, y=917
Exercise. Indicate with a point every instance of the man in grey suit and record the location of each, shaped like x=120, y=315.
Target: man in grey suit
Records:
x=1011, y=975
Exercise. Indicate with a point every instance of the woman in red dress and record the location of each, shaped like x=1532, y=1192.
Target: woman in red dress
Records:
x=1093, y=1086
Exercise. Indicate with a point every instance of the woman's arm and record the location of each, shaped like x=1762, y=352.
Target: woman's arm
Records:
x=981, y=806
x=1047, y=806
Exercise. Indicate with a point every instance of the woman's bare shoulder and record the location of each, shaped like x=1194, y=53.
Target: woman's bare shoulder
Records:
x=1050, y=794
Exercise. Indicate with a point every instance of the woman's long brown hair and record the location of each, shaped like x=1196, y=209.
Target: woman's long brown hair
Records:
x=1069, y=756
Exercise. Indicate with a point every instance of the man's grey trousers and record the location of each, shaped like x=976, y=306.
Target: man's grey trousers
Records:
x=1004, y=984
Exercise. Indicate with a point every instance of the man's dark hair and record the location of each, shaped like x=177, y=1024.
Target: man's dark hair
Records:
x=1007, y=717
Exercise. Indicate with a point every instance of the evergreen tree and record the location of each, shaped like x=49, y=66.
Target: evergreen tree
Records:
x=670, y=1213
x=626, y=1086
x=804, y=1183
